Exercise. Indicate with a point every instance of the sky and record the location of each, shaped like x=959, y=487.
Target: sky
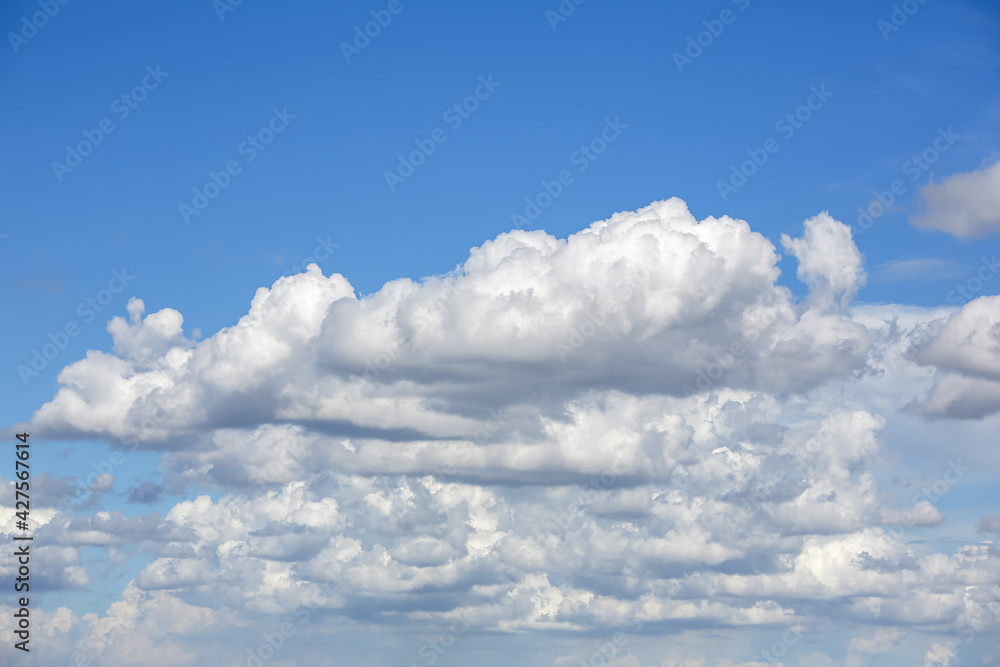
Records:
x=537, y=333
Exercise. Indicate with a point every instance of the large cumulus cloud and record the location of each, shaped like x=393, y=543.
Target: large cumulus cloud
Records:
x=643, y=302
x=635, y=422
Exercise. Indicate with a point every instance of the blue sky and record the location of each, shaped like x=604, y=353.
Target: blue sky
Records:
x=620, y=102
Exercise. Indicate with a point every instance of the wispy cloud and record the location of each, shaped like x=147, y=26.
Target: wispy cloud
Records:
x=918, y=270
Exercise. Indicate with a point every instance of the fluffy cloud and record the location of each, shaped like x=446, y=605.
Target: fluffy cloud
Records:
x=990, y=524
x=881, y=641
x=829, y=262
x=938, y=654
x=966, y=204
x=636, y=423
x=645, y=302
x=966, y=353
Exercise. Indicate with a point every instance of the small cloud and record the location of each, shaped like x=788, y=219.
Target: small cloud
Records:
x=918, y=270
x=105, y=482
x=829, y=261
x=146, y=493
x=990, y=524
x=966, y=205
x=938, y=654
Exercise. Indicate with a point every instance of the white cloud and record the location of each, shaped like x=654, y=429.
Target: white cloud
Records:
x=966, y=353
x=829, y=262
x=881, y=641
x=990, y=524
x=643, y=302
x=552, y=437
x=965, y=204
x=969, y=342
x=144, y=340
